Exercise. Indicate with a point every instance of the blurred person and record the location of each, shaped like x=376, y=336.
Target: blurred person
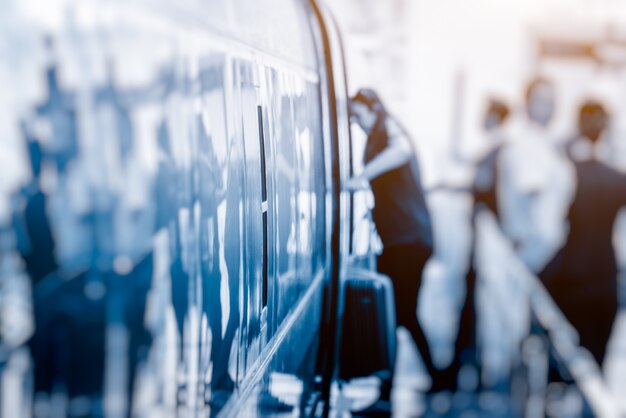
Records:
x=535, y=182
x=484, y=185
x=484, y=190
x=400, y=214
x=582, y=276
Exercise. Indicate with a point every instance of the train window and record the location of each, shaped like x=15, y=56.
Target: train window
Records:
x=305, y=196
x=319, y=181
x=286, y=186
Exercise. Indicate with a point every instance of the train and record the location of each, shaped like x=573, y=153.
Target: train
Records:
x=172, y=225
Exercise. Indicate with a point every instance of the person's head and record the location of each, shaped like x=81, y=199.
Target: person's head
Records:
x=540, y=100
x=497, y=113
x=366, y=109
x=593, y=119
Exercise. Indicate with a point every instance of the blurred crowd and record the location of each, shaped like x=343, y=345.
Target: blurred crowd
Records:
x=541, y=244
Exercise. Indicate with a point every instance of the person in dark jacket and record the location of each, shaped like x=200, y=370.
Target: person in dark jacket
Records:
x=582, y=277
x=400, y=214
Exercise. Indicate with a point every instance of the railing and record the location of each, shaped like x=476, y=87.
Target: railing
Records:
x=562, y=336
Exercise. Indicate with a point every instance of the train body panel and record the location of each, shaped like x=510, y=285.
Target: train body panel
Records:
x=166, y=200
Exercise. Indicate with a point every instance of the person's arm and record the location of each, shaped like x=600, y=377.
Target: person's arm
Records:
x=397, y=153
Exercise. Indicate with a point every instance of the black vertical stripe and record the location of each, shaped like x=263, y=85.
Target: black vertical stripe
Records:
x=262, y=150
x=264, y=200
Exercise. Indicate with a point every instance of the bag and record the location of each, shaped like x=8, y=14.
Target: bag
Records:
x=368, y=334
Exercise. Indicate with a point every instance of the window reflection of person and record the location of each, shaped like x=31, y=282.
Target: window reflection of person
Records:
x=53, y=244
x=222, y=384
x=211, y=194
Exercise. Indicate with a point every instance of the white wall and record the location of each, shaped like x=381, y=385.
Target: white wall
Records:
x=426, y=57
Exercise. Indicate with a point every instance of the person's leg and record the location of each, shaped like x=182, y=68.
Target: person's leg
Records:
x=404, y=265
x=465, y=343
x=593, y=319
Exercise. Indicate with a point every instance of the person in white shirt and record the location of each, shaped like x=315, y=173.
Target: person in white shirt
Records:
x=537, y=182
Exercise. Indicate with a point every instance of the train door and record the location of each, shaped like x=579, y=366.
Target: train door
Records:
x=267, y=126
x=268, y=191
x=254, y=286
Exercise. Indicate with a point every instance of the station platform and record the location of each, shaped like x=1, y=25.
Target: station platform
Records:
x=409, y=398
